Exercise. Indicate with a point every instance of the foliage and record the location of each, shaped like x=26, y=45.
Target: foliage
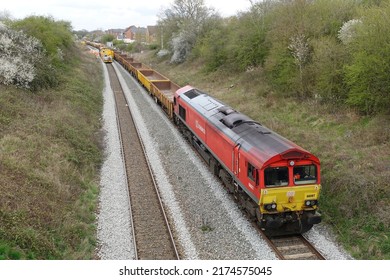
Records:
x=301, y=52
x=5, y=17
x=211, y=48
x=248, y=47
x=182, y=45
x=81, y=33
x=20, y=57
x=333, y=50
x=327, y=66
x=367, y=74
x=237, y=43
x=35, y=50
x=347, y=32
x=55, y=36
x=107, y=38
x=185, y=20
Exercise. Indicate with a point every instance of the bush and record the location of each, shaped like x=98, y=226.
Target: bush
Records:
x=45, y=48
x=20, y=57
x=327, y=65
x=368, y=73
x=248, y=47
x=212, y=48
x=55, y=36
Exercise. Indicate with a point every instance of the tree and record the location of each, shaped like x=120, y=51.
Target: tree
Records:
x=327, y=66
x=367, y=75
x=107, y=38
x=211, y=48
x=184, y=21
x=20, y=55
x=248, y=45
x=347, y=32
x=290, y=50
x=55, y=36
x=238, y=42
x=55, y=45
x=81, y=33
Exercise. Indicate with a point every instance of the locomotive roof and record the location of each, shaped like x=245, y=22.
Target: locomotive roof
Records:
x=264, y=143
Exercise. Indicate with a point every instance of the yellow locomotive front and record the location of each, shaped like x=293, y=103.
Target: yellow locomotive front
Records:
x=289, y=197
x=107, y=55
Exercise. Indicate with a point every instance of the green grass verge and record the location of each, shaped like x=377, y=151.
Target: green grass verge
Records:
x=49, y=165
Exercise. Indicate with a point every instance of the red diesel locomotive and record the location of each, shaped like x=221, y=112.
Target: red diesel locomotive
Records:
x=275, y=180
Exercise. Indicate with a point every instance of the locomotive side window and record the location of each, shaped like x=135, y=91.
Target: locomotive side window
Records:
x=182, y=113
x=252, y=173
x=305, y=174
x=276, y=176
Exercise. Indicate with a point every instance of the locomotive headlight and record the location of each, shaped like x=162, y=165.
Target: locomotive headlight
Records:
x=270, y=207
x=310, y=203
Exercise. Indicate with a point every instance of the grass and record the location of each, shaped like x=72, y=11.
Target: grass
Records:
x=49, y=166
x=354, y=150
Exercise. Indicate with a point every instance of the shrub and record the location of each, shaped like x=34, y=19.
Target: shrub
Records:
x=55, y=36
x=368, y=73
x=46, y=51
x=20, y=57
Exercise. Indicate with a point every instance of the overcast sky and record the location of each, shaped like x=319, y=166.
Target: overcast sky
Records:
x=106, y=14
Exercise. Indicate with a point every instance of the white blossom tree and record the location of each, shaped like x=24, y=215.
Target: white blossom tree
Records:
x=300, y=50
x=185, y=20
x=348, y=31
x=19, y=54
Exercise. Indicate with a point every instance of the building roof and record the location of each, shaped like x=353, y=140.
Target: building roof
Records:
x=152, y=29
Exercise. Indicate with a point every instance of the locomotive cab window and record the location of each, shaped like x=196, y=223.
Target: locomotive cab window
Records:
x=276, y=176
x=305, y=174
x=182, y=112
x=252, y=173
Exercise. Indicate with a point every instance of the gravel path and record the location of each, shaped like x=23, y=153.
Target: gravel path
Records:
x=207, y=222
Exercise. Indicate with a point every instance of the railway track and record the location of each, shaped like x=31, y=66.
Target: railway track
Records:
x=153, y=239
x=294, y=247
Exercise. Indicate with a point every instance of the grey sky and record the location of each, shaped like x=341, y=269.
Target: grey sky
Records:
x=103, y=14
